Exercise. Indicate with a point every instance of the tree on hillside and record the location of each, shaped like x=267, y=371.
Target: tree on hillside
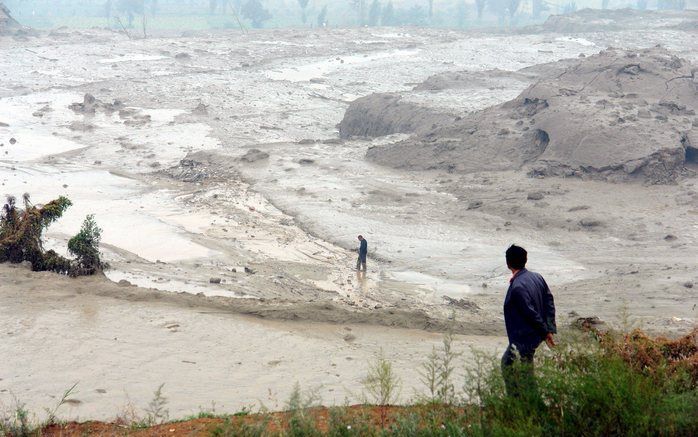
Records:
x=374, y=13
x=462, y=11
x=388, y=15
x=255, y=12
x=504, y=9
x=538, y=7
x=569, y=8
x=480, y=5
x=360, y=8
x=322, y=17
x=303, y=4
x=130, y=8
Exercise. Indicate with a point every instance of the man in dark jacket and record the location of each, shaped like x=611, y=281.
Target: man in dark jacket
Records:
x=529, y=316
x=363, y=252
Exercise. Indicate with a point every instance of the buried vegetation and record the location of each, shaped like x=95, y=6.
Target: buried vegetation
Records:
x=592, y=384
x=21, y=231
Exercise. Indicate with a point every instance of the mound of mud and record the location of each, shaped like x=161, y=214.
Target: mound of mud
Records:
x=7, y=23
x=364, y=117
x=608, y=20
x=616, y=115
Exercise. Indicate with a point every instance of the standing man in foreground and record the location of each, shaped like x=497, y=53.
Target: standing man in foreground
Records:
x=529, y=316
x=363, y=252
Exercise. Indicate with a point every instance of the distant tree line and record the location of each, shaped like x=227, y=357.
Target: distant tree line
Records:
x=258, y=13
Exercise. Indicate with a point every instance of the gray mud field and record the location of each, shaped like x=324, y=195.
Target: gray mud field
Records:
x=230, y=204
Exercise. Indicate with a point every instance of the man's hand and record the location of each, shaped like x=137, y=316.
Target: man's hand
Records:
x=549, y=340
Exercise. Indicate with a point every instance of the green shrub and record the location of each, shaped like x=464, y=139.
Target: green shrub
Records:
x=85, y=247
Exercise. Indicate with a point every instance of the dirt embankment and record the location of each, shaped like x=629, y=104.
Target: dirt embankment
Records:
x=617, y=115
x=609, y=20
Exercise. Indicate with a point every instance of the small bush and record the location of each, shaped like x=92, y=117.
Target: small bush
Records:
x=85, y=247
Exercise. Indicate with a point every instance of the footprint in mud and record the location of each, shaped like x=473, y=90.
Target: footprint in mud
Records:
x=274, y=363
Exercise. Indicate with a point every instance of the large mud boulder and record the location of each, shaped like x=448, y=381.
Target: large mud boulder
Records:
x=378, y=115
x=617, y=115
x=7, y=23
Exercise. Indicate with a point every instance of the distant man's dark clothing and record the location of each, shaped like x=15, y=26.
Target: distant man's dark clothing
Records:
x=529, y=315
x=363, y=252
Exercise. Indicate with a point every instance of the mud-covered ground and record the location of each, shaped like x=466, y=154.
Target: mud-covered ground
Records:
x=185, y=205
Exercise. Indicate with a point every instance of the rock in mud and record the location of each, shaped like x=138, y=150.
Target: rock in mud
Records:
x=90, y=105
x=589, y=222
x=536, y=195
x=578, y=120
x=201, y=110
x=254, y=155
x=13, y=141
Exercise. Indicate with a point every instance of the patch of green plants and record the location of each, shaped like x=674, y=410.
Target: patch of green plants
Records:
x=21, y=238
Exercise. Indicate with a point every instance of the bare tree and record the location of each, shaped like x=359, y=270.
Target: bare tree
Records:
x=480, y=5
x=303, y=4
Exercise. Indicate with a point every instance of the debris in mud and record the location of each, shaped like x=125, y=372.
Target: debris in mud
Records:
x=582, y=119
x=201, y=110
x=306, y=161
x=203, y=165
x=254, y=155
x=43, y=111
x=462, y=303
x=474, y=205
x=182, y=56
x=90, y=105
x=590, y=222
x=3, y=124
x=215, y=280
x=80, y=126
x=588, y=323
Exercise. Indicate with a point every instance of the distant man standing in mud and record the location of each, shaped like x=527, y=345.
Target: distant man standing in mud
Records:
x=363, y=252
x=529, y=316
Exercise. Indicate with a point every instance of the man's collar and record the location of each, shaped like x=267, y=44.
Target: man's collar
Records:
x=518, y=272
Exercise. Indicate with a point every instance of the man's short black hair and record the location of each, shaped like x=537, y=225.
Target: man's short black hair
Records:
x=516, y=257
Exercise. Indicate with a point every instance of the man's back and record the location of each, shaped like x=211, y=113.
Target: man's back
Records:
x=529, y=309
x=363, y=248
